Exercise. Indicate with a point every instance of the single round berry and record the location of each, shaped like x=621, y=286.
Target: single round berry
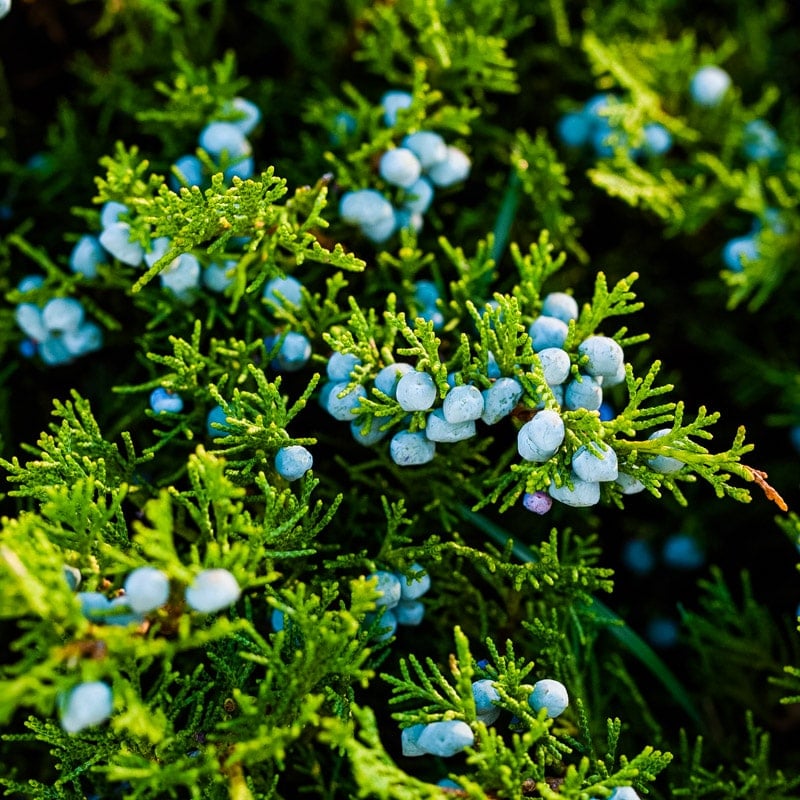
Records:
x=681, y=551
x=369, y=435
x=740, y=251
x=182, y=276
x=416, y=391
x=409, y=449
x=574, y=129
x=392, y=102
x=549, y=695
x=366, y=208
x=86, y=705
x=409, y=612
x=709, y=86
x=224, y=137
x=539, y=438
x=86, y=256
x=216, y=417
x=188, y=170
x=597, y=462
x=219, y=276
x=657, y=140
x=560, y=305
x=111, y=212
x=341, y=365
x=555, y=365
x=418, y=196
x=603, y=355
x=585, y=392
x=462, y=403
x=537, y=502
x=624, y=793
x=547, y=332
x=294, y=353
x=146, y=589
x=387, y=625
x=381, y=230
x=446, y=738
x=582, y=494
x=761, y=142
x=662, y=632
x=638, y=556
x=666, y=465
x=116, y=240
x=212, y=590
x=438, y=429
x=400, y=167
x=247, y=114
x=343, y=405
x=429, y=148
x=629, y=484
x=453, y=169
x=485, y=696
x=418, y=585
x=283, y=292
x=158, y=249
x=389, y=586
x=292, y=462
x=500, y=399
x=72, y=575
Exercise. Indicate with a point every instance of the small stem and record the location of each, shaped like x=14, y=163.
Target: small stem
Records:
x=506, y=216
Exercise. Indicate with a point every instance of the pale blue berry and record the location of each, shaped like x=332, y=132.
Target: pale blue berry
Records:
x=400, y=167
x=388, y=377
x=657, y=140
x=111, y=212
x=392, y=102
x=500, y=399
x=164, y=401
x=188, y=170
x=409, y=449
x=283, y=292
x=462, y=403
x=366, y=208
x=446, y=738
x=5, y=8
x=372, y=434
x=547, y=332
x=761, y=142
x=560, y=305
x=629, y=484
x=62, y=314
x=539, y=438
x=453, y=169
x=247, y=114
x=387, y=626
x=116, y=239
x=418, y=584
x=218, y=277
x=28, y=317
x=94, y=606
x=709, y=86
x=121, y=613
x=585, y=392
x=215, y=417
x=294, y=353
x=86, y=256
x=581, y=495
x=409, y=612
x=341, y=365
x=181, y=276
x=212, y=590
x=438, y=429
x=589, y=466
x=418, y=196
x=408, y=740
x=603, y=355
x=292, y=462
x=243, y=168
x=72, y=575
x=158, y=249
x=740, y=251
x=555, y=365
x=405, y=219
x=486, y=695
x=624, y=793
x=416, y=391
x=549, y=695
x=344, y=405
x=429, y=147
x=86, y=705
x=86, y=338
x=426, y=293
x=224, y=137
x=666, y=465
x=146, y=589
x=378, y=232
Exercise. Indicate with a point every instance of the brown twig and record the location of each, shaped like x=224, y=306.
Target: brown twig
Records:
x=760, y=477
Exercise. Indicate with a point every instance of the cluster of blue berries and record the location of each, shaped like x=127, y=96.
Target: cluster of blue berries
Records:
x=591, y=127
x=399, y=603
x=225, y=140
x=448, y=737
x=421, y=163
x=146, y=589
x=58, y=332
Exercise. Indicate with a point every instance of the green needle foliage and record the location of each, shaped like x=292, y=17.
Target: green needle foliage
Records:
x=161, y=370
